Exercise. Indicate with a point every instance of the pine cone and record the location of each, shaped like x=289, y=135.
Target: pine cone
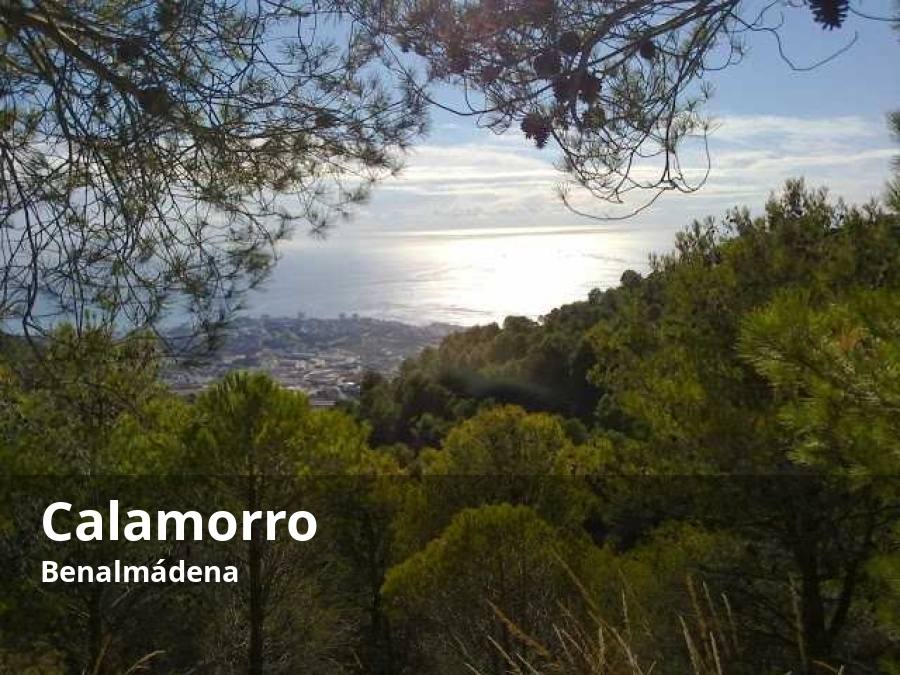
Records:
x=458, y=59
x=129, y=50
x=547, y=64
x=830, y=13
x=570, y=43
x=647, y=49
x=590, y=88
x=154, y=100
x=540, y=11
x=490, y=73
x=167, y=14
x=536, y=127
x=564, y=88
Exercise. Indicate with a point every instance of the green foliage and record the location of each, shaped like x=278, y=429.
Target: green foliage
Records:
x=712, y=446
x=265, y=448
x=506, y=441
x=761, y=353
x=892, y=194
x=247, y=425
x=836, y=376
x=670, y=364
x=86, y=422
x=536, y=365
x=495, y=556
x=77, y=409
x=503, y=455
x=766, y=348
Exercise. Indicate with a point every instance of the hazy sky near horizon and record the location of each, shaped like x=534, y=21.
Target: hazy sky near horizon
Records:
x=473, y=213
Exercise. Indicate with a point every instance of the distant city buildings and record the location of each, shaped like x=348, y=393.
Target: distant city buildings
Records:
x=325, y=358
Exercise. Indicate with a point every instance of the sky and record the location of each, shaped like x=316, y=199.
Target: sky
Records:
x=473, y=229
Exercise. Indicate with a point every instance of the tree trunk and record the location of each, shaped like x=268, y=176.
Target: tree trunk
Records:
x=95, y=632
x=255, y=652
x=813, y=623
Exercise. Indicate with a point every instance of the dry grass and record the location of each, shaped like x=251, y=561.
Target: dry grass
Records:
x=594, y=646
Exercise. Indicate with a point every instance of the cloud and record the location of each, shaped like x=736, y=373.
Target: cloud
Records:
x=497, y=182
x=472, y=164
x=756, y=154
x=752, y=129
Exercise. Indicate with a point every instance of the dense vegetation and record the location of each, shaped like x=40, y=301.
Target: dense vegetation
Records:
x=694, y=471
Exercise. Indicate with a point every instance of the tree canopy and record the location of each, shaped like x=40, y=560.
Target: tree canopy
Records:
x=618, y=87
x=153, y=153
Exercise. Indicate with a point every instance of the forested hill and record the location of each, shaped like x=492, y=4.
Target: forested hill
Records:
x=694, y=472
x=734, y=413
x=709, y=325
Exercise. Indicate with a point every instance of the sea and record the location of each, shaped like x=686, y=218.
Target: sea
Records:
x=462, y=276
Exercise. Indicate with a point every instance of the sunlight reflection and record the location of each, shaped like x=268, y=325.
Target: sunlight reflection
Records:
x=464, y=276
